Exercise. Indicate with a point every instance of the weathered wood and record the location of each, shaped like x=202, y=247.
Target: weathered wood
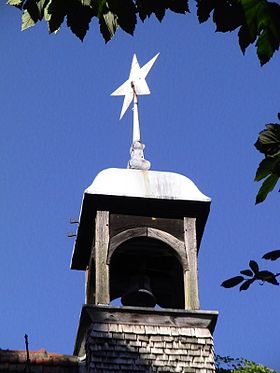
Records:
x=120, y=222
x=173, y=242
x=90, y=276
x=145, y=316
x=191, y=276
x=177, y=245
x=90, y=283
x=107, y=321
x=102, y=295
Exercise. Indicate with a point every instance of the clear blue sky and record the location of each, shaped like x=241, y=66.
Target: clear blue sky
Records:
x=59, y=128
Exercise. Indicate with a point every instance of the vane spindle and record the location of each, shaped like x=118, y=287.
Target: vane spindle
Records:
x=135, y=86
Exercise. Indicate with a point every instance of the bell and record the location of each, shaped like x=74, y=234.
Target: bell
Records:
x=139, y=293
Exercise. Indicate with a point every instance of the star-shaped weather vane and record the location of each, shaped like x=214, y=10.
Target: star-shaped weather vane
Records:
x=135, y=86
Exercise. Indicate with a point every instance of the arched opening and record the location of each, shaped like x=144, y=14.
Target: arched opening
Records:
x=150, y=259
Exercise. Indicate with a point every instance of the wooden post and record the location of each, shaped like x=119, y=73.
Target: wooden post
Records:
x=191, y=276
x=102, y=289
x=90, y=282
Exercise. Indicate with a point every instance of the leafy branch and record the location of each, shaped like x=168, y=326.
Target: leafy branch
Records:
x=227, y=364
x=253, y=274
x=257, y=21
x=268, y=143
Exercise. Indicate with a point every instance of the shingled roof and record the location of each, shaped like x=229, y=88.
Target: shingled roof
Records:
x=40, y=362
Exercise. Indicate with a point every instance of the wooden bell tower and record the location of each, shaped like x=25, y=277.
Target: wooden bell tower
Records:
x=138, y=241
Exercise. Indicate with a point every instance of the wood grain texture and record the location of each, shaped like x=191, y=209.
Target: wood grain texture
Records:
x=177, y=245
x=90, y=283
x=191, y=276
x=121, y=222
x=101, y=251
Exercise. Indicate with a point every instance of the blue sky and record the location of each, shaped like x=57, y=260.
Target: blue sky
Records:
x=60, y=127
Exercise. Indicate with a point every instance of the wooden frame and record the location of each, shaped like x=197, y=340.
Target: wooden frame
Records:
x=97, y=274
x=158, y=234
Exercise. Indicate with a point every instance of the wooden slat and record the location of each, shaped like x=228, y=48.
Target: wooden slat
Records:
x=191, y=276
x=101, y=251
x=150, y=316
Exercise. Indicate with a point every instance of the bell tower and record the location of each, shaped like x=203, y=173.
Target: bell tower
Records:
x=138, y=240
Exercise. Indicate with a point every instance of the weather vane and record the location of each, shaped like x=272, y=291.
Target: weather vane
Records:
x=135, y=86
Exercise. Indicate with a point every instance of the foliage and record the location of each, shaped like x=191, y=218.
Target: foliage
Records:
x=79, y=13
x=268, y=143
x=230, y=365
x=257, y=21
x=253, y=274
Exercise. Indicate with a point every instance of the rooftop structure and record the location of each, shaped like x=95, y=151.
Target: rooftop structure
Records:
x=39, y=362
x=137, y=241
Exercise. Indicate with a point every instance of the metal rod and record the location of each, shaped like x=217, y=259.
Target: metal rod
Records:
x=136, y=125
x=27, y=366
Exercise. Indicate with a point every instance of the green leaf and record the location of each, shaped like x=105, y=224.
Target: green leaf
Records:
x=254, y=266
x=247, y=272
x=26, y=20
x=272, y=255
x=267, y=186
x=30, y=6
x=108, y=25
x=160, y=13
x=268, y=41
x=231, y=282
x=268, y=277
x=245, y=38
x=87, y=3
x=56, y=12
x=146, y=7
x=272, y=280
x=266, y=167
x=246, y=284
x=204, y=9
x=125, y=11
x=16, y=3
x=252, y=9
x=257, y=20
x=261, y=22
x=266, y=46
x=41, y=4
x=78, y=18
x=178, y=6
x=101, y=7
x=33, y=12
x=228, y=15
x=268, y=141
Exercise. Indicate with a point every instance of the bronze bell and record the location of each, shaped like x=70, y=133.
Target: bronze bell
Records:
x=139, y=293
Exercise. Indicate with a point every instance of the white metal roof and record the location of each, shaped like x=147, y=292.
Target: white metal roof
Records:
x=145, y=184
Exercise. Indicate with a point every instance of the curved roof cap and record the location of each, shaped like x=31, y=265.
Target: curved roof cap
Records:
x=145, y=184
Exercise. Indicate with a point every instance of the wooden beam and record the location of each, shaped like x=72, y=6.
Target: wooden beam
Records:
x=191, y=276
x=102, y=291
x=90, y=283
x=175, y=244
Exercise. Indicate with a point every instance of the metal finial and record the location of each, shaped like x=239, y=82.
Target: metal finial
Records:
x=135, y=86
